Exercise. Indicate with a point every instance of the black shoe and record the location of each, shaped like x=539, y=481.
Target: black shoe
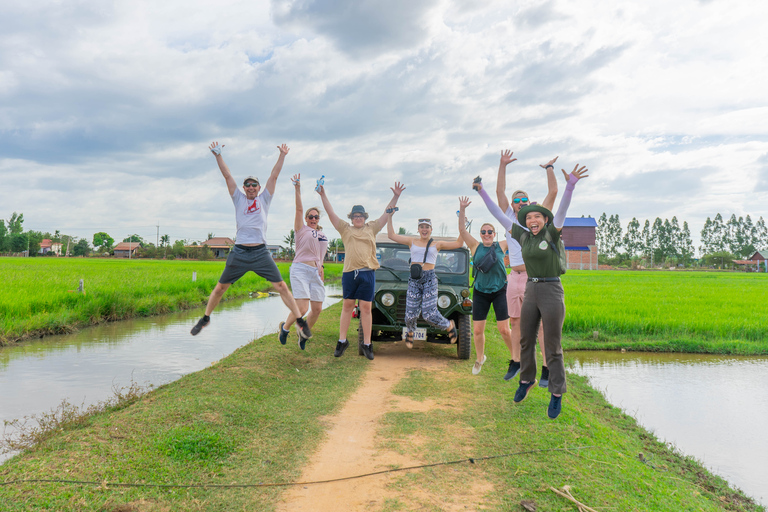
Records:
x=368, y=351
x=544, y=380
x=302, y=342
x=555, y=406
x=199, y=325
x=303, y=328
x=341, y=346
x=522, y=391
x=283, y=334
x=514, y=369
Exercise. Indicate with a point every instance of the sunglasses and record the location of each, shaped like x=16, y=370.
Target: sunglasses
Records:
x=310, y=217
x=251, y=184
x=520, y=200
x=358, y=216
x=425, y=221
x=484, y=232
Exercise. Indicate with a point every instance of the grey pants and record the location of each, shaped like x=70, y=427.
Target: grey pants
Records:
x=545, y=302
x=422, y=298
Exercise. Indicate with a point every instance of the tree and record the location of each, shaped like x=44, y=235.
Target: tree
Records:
x=4, y=240
x=761, y=235
x=601, y=235
x=82, y=248
x=707, y=234
x=34, y=238
x=134, y=238
x=613, y=236
x=718, y=234
x=290, y=239
x=18, y=242
x=647, y=240
x=685, y=244
x=103, y=241
x=632, y=240
x=14, y=224
x=165, y=240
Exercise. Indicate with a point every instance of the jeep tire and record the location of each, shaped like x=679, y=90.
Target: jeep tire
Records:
x=464, y=343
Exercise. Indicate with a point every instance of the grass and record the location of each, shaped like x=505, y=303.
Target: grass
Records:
x=257, y=416
x=40, y=297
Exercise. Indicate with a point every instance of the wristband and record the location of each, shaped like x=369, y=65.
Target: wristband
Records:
x=550, y=165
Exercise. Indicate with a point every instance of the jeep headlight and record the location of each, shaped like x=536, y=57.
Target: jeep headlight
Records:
x=444, y=301
x=387, y=299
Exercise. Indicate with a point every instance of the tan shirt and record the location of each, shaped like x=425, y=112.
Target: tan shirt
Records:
x=359, y=245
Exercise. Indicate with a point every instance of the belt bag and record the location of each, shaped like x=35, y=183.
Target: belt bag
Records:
x=416, y=269
x=488, y=261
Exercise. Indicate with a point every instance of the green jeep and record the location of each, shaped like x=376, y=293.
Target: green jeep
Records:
x=453, y=302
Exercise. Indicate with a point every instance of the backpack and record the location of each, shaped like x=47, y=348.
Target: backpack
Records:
x=559, y=248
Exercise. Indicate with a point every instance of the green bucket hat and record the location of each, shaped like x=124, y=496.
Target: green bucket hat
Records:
x=358, y=208
x=533, y=207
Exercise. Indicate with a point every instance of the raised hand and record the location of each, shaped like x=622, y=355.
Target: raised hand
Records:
x=464, y=202
x=296, y=180
x=506, y=157
x=551, y=162
x=577, y=174
x=397, y=189
x=477, y=184
x=284, y=149
x=320, y=190
x=215, y=148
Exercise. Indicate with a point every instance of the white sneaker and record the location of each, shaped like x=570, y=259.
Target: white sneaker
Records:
x=478, y=366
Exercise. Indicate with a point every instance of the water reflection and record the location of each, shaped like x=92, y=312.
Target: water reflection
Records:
x=714, y=408
x=85, y=366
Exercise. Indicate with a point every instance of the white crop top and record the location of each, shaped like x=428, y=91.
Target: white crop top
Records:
x=417, y=254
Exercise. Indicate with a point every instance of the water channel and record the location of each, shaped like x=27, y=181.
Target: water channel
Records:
x=714, y=408
x=84, y=367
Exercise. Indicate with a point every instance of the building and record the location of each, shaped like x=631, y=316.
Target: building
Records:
x=126, y=249
x=275, y=251
x=46, y=246
x=220, y=245
x=761, y=259
x=579, y=238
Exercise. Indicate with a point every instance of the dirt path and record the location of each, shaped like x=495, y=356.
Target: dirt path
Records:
x=351, y=447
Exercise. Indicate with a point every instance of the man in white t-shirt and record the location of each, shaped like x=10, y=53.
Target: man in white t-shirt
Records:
x=250, y=253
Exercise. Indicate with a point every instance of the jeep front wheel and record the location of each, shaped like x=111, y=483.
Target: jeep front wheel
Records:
x=464, y=343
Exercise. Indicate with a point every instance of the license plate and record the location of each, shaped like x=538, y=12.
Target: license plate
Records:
x=420, y=334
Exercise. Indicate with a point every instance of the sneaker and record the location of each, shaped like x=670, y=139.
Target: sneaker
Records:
x=555, y=406
x=522, y=391
x=478, y=365
x=199, y=325
x=303, y=328
x=302, y=342
x=283, y=334
x=544, y=380
x=341, y=346
x=368, y=351
x=514, y=369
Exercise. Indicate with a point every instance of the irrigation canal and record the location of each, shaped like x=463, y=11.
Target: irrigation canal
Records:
x=714, y=408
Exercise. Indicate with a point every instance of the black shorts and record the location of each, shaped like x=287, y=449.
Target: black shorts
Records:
x=257, y=259
x=481, y=304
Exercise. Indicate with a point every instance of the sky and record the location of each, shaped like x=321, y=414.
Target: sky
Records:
x=107, y=108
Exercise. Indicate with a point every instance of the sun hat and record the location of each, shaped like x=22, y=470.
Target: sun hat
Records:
x=358, y=208
x=428, y=222
x=533, y=207
x=251, y=178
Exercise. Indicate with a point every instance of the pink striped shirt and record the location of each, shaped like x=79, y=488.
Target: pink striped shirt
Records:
x=311, y=246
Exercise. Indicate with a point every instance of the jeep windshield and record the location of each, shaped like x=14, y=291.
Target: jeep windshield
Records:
x=395, y=257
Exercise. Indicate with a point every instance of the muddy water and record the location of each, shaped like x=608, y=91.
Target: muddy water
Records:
x=714, y=408
x=84, y=367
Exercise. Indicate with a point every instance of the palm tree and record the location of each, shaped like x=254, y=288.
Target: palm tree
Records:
x=290, y=239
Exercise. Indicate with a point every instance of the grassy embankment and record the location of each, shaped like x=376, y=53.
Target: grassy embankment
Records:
x=39, y=294
x=703, y=312
x=256, y=416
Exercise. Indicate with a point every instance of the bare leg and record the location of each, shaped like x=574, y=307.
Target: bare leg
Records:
x=478, y=329
x=303, y=305
x=215, y=298
x=287, y=297
x=316, y=307
x=366, y=320
x=346, y=316
x=506, y=335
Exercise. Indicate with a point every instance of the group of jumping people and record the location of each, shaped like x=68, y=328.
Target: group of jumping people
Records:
x=528, y=302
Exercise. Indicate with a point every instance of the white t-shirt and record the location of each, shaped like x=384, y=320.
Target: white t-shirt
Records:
x=515, y=252
x=251, y=217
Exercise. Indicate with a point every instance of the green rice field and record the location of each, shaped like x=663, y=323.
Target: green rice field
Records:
x=709, y=305
x=39, y=295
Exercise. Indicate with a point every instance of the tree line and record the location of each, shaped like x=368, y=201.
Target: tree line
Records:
x=668, y=242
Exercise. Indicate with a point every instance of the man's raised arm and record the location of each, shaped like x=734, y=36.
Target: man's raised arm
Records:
x=231, y=184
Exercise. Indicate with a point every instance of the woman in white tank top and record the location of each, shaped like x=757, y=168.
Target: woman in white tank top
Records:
x=422, y=292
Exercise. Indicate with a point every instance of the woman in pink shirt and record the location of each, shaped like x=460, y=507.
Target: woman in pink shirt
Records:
x=307, y=268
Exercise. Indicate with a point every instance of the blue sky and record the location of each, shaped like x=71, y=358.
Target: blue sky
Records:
x=106, y=109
